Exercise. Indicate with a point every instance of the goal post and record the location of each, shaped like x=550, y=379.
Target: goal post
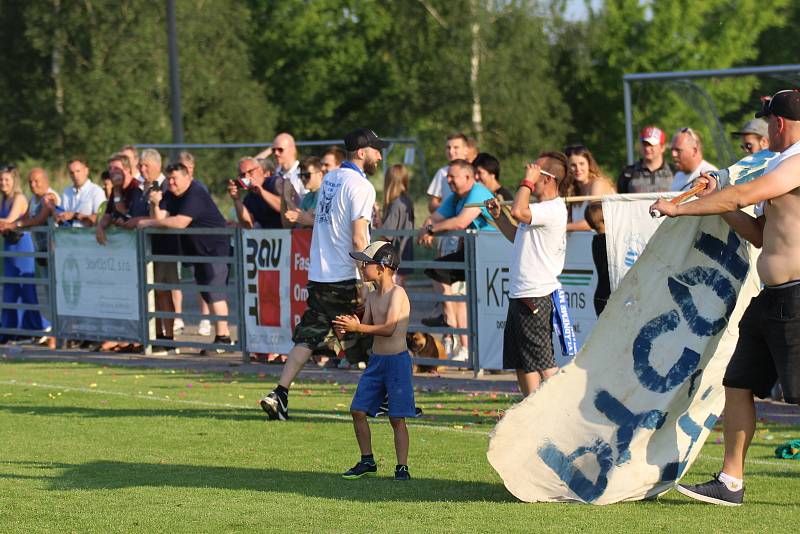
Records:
x=687, y=76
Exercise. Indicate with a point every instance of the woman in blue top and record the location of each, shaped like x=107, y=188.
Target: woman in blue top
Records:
x=13, y=206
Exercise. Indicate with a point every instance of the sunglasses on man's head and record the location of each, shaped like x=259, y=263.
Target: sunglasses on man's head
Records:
x=8, y=168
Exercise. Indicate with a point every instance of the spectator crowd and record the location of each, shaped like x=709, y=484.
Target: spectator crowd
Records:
x=276, y=188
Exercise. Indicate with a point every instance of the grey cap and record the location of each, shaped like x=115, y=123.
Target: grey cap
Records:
x=754, y=127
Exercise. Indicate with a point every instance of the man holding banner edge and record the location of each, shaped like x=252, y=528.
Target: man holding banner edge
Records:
x=771, y=323
x=540, y=241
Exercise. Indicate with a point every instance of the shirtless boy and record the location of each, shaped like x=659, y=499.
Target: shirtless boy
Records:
x=769, y=331
x=388, y=372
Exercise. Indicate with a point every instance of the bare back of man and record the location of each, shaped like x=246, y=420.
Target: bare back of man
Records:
x=381, y=308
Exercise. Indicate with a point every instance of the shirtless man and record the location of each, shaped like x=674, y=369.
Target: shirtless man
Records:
x=769, y=331
x=389, y=370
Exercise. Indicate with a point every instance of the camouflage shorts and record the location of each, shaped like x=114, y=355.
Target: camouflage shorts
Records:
x=326, y=300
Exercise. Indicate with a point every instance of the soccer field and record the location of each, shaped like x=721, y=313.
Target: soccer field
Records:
x=87, y=448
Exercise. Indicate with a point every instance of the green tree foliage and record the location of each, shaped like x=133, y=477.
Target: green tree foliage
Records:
x=404, y=69
x=100, y=76
x=627, y=36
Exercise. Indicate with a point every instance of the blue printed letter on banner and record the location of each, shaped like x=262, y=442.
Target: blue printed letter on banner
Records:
x=564, y=467
x=627, y=421
x=722, y=287
x=643, y=344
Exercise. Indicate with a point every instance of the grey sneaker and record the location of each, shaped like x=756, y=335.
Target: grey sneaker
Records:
x=713, y=492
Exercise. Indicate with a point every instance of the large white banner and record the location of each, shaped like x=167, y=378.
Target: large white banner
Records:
x=629, y=227
x=627, y=417
x=267, y=310
x=95, y=280
x=578, y=278
x=97, y=287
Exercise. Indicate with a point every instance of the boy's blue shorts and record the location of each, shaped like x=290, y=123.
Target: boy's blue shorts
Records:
x=386, y=374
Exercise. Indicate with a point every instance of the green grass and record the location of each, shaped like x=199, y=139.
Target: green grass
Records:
x=104, y=449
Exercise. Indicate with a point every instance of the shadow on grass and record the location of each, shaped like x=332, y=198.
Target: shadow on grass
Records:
x=105, y=475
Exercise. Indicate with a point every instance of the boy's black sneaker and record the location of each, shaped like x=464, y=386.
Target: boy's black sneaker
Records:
x=276, y=408
x=714, y=492
x=401, y=473
x=361, y=469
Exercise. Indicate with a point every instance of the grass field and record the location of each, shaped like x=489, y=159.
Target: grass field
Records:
x=103, y=449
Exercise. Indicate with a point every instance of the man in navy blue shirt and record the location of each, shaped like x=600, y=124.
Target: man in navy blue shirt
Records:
x=261, y=206
x=186, y=204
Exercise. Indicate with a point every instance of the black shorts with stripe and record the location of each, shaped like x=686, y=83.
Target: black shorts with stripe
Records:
x=528, y=335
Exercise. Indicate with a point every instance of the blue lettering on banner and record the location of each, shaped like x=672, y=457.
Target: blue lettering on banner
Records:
x=674, y=470
x=627, y=421
x=576, y=480
x=648, y=376
x=727, y=256
x=708, y=276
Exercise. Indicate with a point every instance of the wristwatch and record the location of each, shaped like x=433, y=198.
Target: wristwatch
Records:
x=429, y=229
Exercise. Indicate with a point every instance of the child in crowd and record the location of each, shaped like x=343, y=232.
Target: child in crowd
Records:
x=389, y=371
x=594, y=216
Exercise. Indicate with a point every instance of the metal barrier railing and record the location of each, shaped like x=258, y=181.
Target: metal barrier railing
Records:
x=468, y=265
x=42, y=260
x=234, y=291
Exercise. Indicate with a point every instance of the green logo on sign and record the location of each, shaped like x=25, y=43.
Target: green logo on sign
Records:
x=71, y=281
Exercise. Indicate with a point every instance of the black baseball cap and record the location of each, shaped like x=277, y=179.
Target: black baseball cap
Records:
x=363, y=138
x=381, y=252
x=784, y=104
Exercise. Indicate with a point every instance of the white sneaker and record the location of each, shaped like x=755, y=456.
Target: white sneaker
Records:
x=177, y=327
x=461, y=355
x=204, y=328
x=449, y=345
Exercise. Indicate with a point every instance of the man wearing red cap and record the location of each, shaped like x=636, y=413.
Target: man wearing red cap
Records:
x=769, y=330
x=651, y=173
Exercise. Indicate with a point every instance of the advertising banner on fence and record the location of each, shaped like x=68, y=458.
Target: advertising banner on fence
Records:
x=627, y=417
x=97, y=287
x=491, y=262
x=629, y=227
x=275, y=273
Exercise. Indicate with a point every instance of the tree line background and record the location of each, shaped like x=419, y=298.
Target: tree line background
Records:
x=84, y=77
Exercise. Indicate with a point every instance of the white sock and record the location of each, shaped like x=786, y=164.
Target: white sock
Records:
x=733, y=484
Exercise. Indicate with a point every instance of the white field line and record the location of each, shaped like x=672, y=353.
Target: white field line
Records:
x=332, y=416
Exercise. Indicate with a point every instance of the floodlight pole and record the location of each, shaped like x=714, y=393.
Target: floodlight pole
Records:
x=174, y=76
x=682, y=75
x=626, y=92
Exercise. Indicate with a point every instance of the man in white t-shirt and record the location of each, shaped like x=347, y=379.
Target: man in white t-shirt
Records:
x=341, y=225
x=455, y=148
x=540, y=246
x=687, y=154
x=82, y=200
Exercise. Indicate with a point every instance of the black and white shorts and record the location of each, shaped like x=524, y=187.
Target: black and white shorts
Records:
x=528, y=335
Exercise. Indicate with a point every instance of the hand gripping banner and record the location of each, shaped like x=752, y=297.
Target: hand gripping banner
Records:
x=628, y=416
